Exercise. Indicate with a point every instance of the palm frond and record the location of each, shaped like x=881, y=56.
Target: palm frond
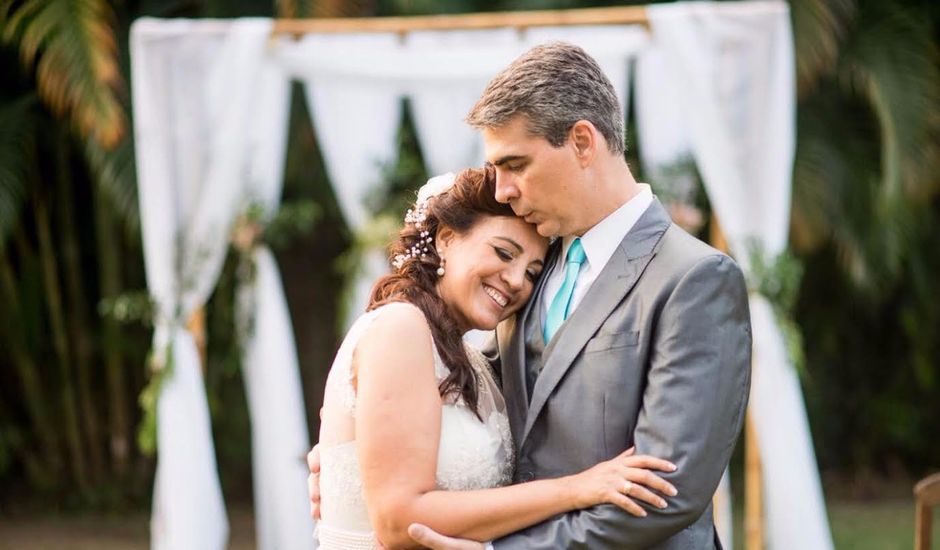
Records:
x=834, y=155
x=893, y=63
x=838, y=192
x=17, y=159
x=116, y=178
x=819, y=27
x=867, y=149
x=72, y=45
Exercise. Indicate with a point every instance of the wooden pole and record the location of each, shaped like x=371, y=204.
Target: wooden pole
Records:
x=624, y=15
x=197, y=327
x=753, y=474
x=753, y=489
x=717, y=236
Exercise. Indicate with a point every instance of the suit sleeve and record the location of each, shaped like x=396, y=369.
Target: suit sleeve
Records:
x=691, y=414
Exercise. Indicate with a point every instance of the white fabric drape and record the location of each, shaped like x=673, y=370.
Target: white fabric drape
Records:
x=278, y=423
x=441, y=102
x=660, y=118
x=356, y=118
x=446, y=146
x=440, y=105
x=441, y=99
x=270, y=365
x=735, y=77
x=187, y=203
x=355, y=83
x=195, y=110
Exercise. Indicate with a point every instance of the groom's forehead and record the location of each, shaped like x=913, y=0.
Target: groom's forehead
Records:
x=509, y=140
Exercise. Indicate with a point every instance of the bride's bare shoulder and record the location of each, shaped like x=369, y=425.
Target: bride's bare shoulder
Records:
x=400, y=316
x=399, y=330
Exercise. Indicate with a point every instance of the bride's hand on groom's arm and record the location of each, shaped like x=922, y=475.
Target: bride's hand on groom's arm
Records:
x=623, y=481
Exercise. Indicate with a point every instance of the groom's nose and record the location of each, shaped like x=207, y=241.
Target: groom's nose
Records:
x=506, y=189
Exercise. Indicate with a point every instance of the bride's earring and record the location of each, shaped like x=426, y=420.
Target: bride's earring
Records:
x=440, y=269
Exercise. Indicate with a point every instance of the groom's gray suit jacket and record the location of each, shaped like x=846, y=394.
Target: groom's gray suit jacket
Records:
x=657, y=354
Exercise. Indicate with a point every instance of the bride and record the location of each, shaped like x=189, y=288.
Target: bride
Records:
x=413, y=422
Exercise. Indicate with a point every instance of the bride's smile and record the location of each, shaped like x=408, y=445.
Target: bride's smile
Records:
x=490, y=271
x=497, y=296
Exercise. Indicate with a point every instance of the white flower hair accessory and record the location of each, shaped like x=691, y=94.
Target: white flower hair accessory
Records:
x=435, y=186
x=417, y=215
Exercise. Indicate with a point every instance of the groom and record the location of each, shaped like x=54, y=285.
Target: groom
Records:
x=637, y=335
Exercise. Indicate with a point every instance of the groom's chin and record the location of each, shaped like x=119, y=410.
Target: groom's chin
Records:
x=546, y=231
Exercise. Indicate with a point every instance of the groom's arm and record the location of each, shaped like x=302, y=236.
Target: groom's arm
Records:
x=691, y=414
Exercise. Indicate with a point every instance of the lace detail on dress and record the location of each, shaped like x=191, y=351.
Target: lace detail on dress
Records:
x=343, y=524
x=471, y=454
x=331, y=538
x=480, y=455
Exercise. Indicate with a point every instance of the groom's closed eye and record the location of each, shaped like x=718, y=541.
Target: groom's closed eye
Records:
x=513, y=163
x=516, y=166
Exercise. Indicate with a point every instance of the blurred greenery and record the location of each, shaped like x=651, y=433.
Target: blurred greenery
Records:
x=74, y=335
x=885, y=524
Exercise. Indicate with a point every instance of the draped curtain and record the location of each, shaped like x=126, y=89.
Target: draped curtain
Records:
x=207, y=131
x=271, y=370
x=722, y=74
x=356, y=118
x=355, y=101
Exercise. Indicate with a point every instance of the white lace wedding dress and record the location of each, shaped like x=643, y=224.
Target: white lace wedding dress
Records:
x=472, y=454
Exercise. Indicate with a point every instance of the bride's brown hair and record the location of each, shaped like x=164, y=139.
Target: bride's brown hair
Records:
x=472, y=197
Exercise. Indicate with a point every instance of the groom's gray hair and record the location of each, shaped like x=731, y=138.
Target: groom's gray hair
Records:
x=554, y=85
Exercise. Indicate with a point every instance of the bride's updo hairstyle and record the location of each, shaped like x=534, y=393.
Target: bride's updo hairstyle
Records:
x=415, y=260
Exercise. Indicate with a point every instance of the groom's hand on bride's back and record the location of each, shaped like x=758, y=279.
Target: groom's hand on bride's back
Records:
x=313, y=481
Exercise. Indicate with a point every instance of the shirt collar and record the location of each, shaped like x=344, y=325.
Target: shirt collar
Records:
x=602, y=240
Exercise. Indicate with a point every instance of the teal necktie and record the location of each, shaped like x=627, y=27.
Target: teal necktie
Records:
x=558, y=311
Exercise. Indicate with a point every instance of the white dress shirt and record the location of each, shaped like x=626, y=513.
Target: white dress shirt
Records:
x=599, y=244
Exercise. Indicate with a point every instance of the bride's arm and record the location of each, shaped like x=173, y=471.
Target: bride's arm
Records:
x=398, y=423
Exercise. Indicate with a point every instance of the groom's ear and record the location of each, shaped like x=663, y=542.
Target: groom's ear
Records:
x=584, y=139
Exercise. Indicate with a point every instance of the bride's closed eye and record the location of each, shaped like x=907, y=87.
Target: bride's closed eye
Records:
x=507, y=256
x=503, y=254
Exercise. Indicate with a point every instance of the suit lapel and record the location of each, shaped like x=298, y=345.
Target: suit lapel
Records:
x=510, y=336
x=612, y=284
x=511, y=361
